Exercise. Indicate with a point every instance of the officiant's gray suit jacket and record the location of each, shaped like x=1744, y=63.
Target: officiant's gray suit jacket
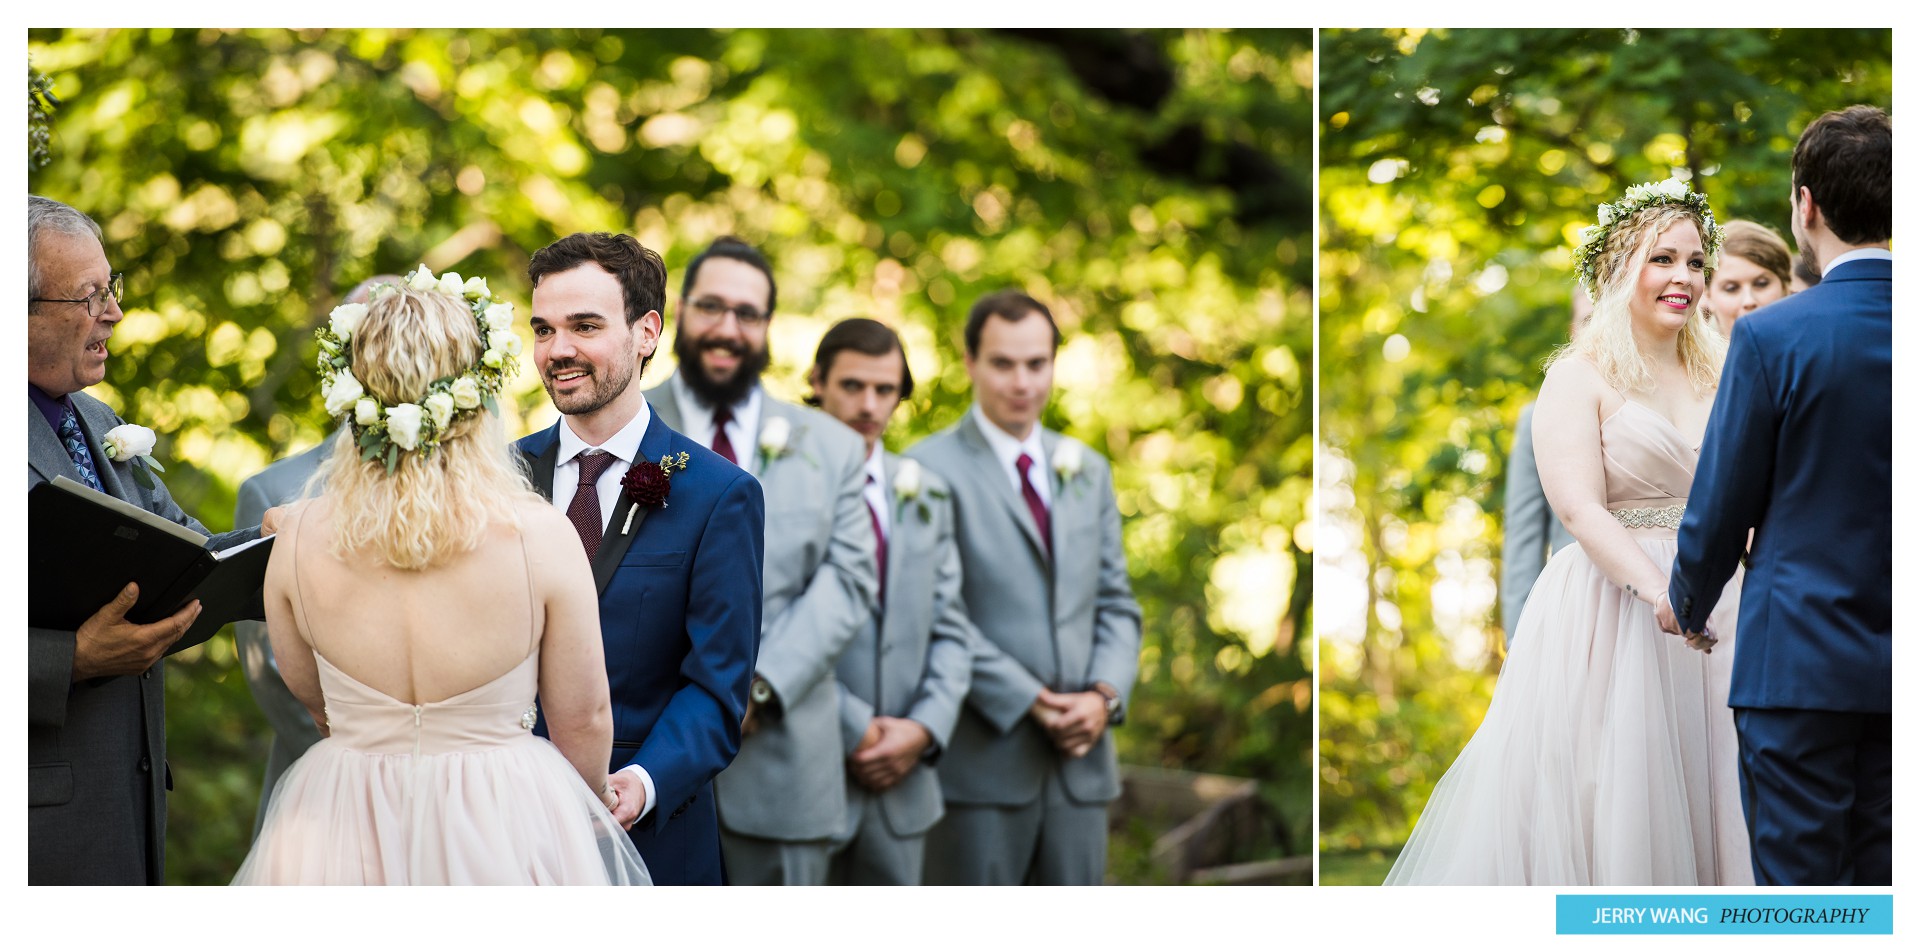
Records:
x=96, y=750
x=1533, y=532
x=913, y=659
x=819, y=588
x=1061, y=623
x=293, y=728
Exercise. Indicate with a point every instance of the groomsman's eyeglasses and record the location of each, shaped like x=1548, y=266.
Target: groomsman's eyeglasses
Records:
x=96, y=302
x=711, y=309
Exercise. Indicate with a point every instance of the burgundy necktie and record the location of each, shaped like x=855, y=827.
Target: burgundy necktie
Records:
x=1034, y=505
x=584, y=510
x=880, y=540
x=722, y=415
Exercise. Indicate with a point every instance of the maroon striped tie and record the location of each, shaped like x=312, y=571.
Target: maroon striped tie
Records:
x=584, y=510
x=1034, y=505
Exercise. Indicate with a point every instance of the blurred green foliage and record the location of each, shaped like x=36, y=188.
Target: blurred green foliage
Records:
x=1155, y=187
x=1456, y=167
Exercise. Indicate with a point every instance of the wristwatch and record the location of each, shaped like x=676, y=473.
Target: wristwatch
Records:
x=1113, y=700
x=761, y=693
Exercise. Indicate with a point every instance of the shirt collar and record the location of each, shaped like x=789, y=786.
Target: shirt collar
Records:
x=1005, y=447
x=50, y=407
x=698, y=416
x=625, y=444
x=1857, y=254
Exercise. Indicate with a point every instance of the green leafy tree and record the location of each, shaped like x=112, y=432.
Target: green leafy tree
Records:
x=1154, y=187
x=1457, y=166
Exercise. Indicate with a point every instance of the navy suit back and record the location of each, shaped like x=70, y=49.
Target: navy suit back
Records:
x=1803, y=455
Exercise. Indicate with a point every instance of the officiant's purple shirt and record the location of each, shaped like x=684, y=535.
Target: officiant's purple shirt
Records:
x=54, y=410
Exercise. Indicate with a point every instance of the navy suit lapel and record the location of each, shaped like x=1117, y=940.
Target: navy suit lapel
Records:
x=618, y=537
x=540, y=464
x=987, y=469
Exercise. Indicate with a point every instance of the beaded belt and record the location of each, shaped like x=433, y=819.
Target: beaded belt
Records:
x=1666, y=516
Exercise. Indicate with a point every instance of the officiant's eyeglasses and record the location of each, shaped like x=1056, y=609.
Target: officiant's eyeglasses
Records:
x=711, y=309
x=96, y=302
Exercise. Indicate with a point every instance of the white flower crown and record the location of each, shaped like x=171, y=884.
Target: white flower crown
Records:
x=384, y=432
x=1586, y=256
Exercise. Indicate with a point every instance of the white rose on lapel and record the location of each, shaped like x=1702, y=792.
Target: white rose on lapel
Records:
x=906, y=482
x=127, y=442
x=344, y=392
x=403, y=425
x=1068, y=460
x=775, y=434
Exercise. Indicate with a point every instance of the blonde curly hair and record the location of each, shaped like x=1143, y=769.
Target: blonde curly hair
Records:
x=1605, y=338
x=430, y=507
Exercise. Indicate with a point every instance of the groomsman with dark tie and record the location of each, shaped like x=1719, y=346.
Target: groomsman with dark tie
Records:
x=784, y=798
x=1799, y=451
x=903, y=678
x=1031, y=766
x=97, y=775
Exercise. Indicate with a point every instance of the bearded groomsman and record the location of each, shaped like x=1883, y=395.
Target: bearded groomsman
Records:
x=1031, y=766
x=903, y=678
x=784, y=798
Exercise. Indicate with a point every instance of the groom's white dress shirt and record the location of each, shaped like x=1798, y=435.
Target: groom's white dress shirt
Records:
x=1857, y=254
x=876, y=489
x=625, y=446
x=1008, y=449
x=743, y=430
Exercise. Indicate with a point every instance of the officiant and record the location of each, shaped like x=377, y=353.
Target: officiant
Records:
x=96, y=737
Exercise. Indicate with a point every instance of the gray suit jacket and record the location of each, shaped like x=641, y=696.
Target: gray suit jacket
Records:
x=788, y=782
x=293, y=729
x=1062, y=624
x=96, y=750
x=915, y=658
x=1533, y=533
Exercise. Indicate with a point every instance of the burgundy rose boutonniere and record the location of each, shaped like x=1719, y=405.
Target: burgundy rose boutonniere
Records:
x=648, y=483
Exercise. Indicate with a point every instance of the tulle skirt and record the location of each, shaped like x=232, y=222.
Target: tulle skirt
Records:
x=1608, y=754
x=510, y=814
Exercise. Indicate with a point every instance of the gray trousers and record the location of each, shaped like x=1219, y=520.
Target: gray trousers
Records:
x=756, y=861
x=876, y=855
x=1050, y=841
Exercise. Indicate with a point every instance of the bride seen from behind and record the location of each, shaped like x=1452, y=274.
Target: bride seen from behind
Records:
x=1608, y=756
x=414, y=606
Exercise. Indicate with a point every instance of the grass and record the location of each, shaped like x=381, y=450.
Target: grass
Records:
x=1356, y=867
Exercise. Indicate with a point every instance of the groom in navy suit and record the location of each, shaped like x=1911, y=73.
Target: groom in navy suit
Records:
x=1799, y=450
x=677, y=561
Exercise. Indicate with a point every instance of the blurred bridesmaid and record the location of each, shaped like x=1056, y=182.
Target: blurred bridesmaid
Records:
x=1756, y=269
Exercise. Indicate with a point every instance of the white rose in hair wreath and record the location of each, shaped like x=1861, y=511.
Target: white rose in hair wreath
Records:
x=403, y=425
x=366, y=412
x=422, y=279
x=346, y=318
x=345, y=392
x=440, y=407
x=466, y=393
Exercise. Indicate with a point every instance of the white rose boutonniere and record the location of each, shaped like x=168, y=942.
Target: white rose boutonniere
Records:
x=775, y=433
x=130, y=442
x=1068, y=461
x=908, y=486
x=403, y=425
x=344, y=392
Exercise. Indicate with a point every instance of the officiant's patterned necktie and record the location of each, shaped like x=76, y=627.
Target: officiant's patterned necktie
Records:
x=1034, y=505
x=76, y=443
x=722, y=415
x=584, y=510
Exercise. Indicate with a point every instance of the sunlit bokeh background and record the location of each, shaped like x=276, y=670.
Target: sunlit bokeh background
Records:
x=1456, y=169
x=1154, y=187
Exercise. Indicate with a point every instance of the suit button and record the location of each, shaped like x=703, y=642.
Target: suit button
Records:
x=146, y=765
x=147, y=674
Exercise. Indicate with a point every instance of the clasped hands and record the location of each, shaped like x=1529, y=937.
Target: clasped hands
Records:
x=1074, y=721
x=1702, y=640
x=624, y=796
x=887, y=752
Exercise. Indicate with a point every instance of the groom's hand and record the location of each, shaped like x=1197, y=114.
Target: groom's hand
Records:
x=109, y=645
x=633, y=797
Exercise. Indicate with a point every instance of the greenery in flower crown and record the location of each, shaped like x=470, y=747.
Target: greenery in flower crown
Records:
x=1638, y=198
x=384, y=432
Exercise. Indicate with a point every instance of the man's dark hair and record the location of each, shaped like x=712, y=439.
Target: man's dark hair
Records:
x=641, y=273
x=1010, y=305
x=1845, y=162
x=860, y=335
x=732, y=247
